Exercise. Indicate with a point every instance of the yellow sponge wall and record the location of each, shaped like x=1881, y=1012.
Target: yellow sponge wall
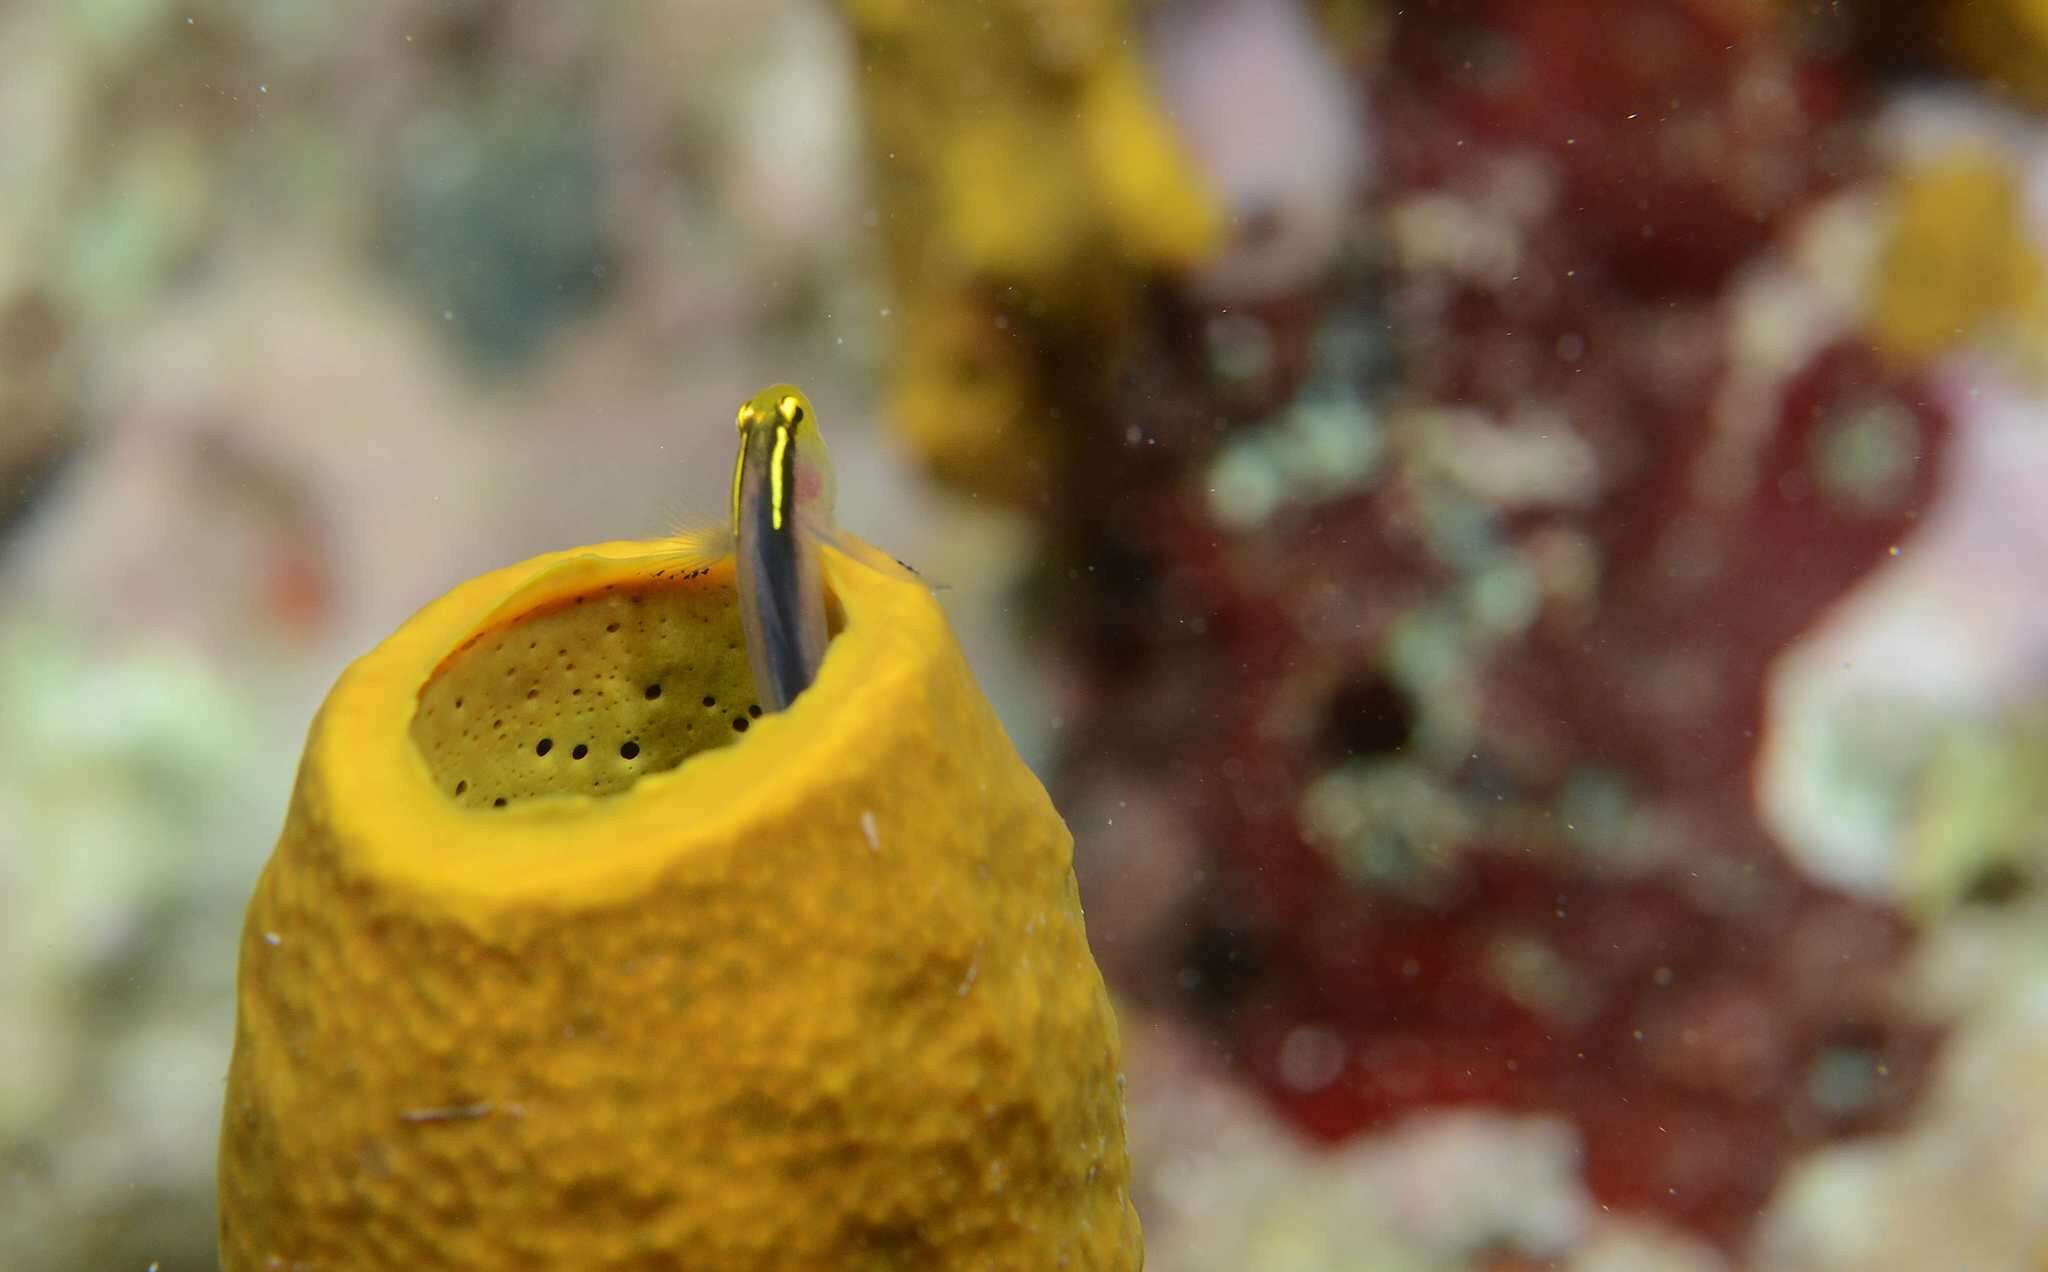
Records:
x=810, y=991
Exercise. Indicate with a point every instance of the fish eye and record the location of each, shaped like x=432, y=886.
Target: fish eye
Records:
x=791, y=410
x=748, y=416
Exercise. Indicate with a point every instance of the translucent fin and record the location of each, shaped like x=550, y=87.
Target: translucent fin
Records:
x=871, y=556
x=694, y=545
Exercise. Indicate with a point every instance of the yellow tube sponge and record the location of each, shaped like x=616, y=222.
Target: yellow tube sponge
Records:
x=2005, y=41
x=705, y=991
x=1031, y=187
x=1960, y=264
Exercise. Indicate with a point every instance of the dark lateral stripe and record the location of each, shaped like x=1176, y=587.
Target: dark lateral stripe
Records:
x=779, y=577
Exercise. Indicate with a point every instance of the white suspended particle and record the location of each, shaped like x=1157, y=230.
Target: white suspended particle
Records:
x=868, y=828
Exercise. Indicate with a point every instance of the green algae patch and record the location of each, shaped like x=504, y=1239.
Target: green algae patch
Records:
x=808, y=989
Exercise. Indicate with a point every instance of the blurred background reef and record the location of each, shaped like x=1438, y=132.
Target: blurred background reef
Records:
x=1511, y=529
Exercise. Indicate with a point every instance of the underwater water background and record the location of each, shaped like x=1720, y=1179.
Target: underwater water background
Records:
x=1512, y=533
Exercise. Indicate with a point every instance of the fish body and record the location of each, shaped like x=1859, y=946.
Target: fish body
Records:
x=781, y=496
x=781, y=515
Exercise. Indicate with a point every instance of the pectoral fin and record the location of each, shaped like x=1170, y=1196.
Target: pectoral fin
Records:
x=695, y=545
x=869, y=555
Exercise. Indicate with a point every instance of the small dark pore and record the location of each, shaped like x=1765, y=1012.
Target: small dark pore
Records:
x=544, y=746
x=611, y=627
x=461, y=786
x=498, y=802
x=755, y=711
x=458, y=704
x=653, y=692
x=710, y=701
x=580, y=751
x=739, y=724
x=629, y=751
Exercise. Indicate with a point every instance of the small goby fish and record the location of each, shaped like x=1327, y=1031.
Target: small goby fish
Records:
x=781, y=513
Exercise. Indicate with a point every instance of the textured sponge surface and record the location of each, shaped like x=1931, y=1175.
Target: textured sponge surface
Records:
x=817, y=999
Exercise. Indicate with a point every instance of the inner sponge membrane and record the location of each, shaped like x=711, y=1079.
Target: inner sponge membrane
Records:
x=586, y=694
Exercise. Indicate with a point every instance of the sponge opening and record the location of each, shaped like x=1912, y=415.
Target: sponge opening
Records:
x=589, y=693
